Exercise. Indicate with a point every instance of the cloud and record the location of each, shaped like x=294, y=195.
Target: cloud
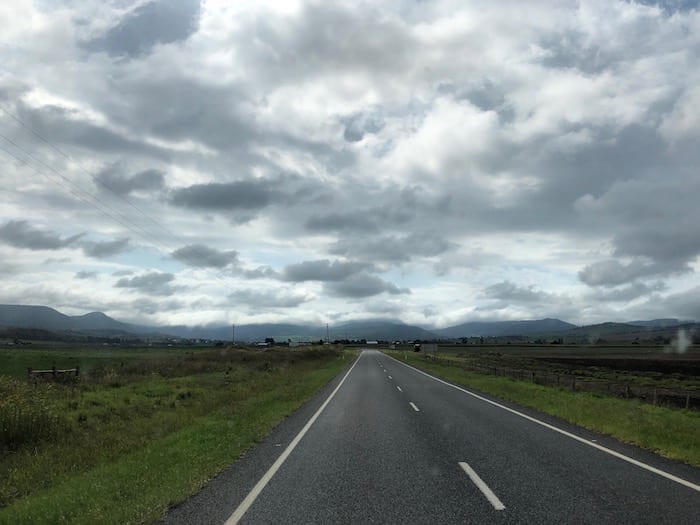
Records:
x=152, y=23
x=261, y=272
x=239, y=195
x=357, y=125
x=253, y=299
x=154, y=283
x=612, y=272
x=508, y=291
x=392, y=248
x=631, y=292
x=202, y=256
x=105, y=248
x=85, y=275
x=21, y=234
x=362, y=285
x=112, y=180
x=462, y=145
x=323, y=270
x=342, y=222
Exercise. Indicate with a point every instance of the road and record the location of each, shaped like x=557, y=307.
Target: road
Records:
x=389, y=444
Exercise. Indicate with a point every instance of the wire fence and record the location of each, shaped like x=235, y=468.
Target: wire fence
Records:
x=672, y=398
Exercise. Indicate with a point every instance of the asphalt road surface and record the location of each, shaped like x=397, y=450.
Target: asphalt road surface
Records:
x=385, y=443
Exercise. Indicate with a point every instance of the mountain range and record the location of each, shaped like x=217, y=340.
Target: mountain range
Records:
x=97, y=323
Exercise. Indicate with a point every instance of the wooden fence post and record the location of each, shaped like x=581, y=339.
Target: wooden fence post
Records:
x=654, y=396
x=573, y=384
x=687, y=401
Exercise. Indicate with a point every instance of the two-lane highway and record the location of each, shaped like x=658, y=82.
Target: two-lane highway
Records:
x=391, y=444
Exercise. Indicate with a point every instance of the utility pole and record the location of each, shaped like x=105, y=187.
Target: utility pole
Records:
x=328, y=339
x=233, y=334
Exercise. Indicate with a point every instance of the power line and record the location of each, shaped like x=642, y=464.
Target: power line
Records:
x=81, y=198
x=95, y=179
x=91, y=199
x=123, y=220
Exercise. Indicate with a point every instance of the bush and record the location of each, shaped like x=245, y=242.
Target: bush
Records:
x=27, y=414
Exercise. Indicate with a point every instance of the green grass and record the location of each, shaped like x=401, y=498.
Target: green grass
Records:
x=670, y=432
x=136, y=441
x=14, y=361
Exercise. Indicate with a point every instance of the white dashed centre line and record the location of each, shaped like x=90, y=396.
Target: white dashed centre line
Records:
x=414, y=406
x=399, y=389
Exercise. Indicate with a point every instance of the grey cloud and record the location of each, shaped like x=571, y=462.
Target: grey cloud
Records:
x=113, y=180
x=508, y=291
x=105, y=248
x=392, y=248
x=85, y=275
x=202, y=256
x=630, y=292
x=323, y=270
x=393, y=211
x=355, y=40
x=267, y=299
x=339, y=222
x=155, y=283
x=156, y=22
x=149, y=306
x=65, y=126
x=240, y=195
x=358, y=125
x=362, y=285
x=612, y=272
x=261, y=272
x=21, y=234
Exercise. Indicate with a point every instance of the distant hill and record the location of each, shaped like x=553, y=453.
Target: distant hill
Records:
x=248, y=332
x=380, y=330
x=621, y=332
x=30, y=317
x=659, y=323
x=505, y=328
x=45, y=318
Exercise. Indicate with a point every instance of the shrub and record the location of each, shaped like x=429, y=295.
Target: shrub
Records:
x=27, y=414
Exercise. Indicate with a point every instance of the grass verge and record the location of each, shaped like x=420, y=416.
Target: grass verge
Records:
x=140, y=443
x=669, y=432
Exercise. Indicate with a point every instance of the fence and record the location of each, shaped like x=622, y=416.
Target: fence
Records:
x=54, y=373
x=687, y=399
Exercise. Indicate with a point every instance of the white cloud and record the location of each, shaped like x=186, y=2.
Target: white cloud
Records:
x=475, y=154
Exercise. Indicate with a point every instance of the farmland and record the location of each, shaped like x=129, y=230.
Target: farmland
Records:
x=639, y=368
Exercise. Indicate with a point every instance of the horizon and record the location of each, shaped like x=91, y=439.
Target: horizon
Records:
x=367, y=320
x=192, y=163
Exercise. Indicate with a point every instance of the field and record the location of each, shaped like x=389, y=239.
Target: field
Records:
x=142, y=428
x=647, y=373
x=641, y=411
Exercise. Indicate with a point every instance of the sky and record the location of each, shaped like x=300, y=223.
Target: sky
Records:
x=433, y=162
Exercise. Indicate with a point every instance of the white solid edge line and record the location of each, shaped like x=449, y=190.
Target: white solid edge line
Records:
x=618, y=455
x=399, y=389
x=483, y=487
x=414, y=406
x=260, y=485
